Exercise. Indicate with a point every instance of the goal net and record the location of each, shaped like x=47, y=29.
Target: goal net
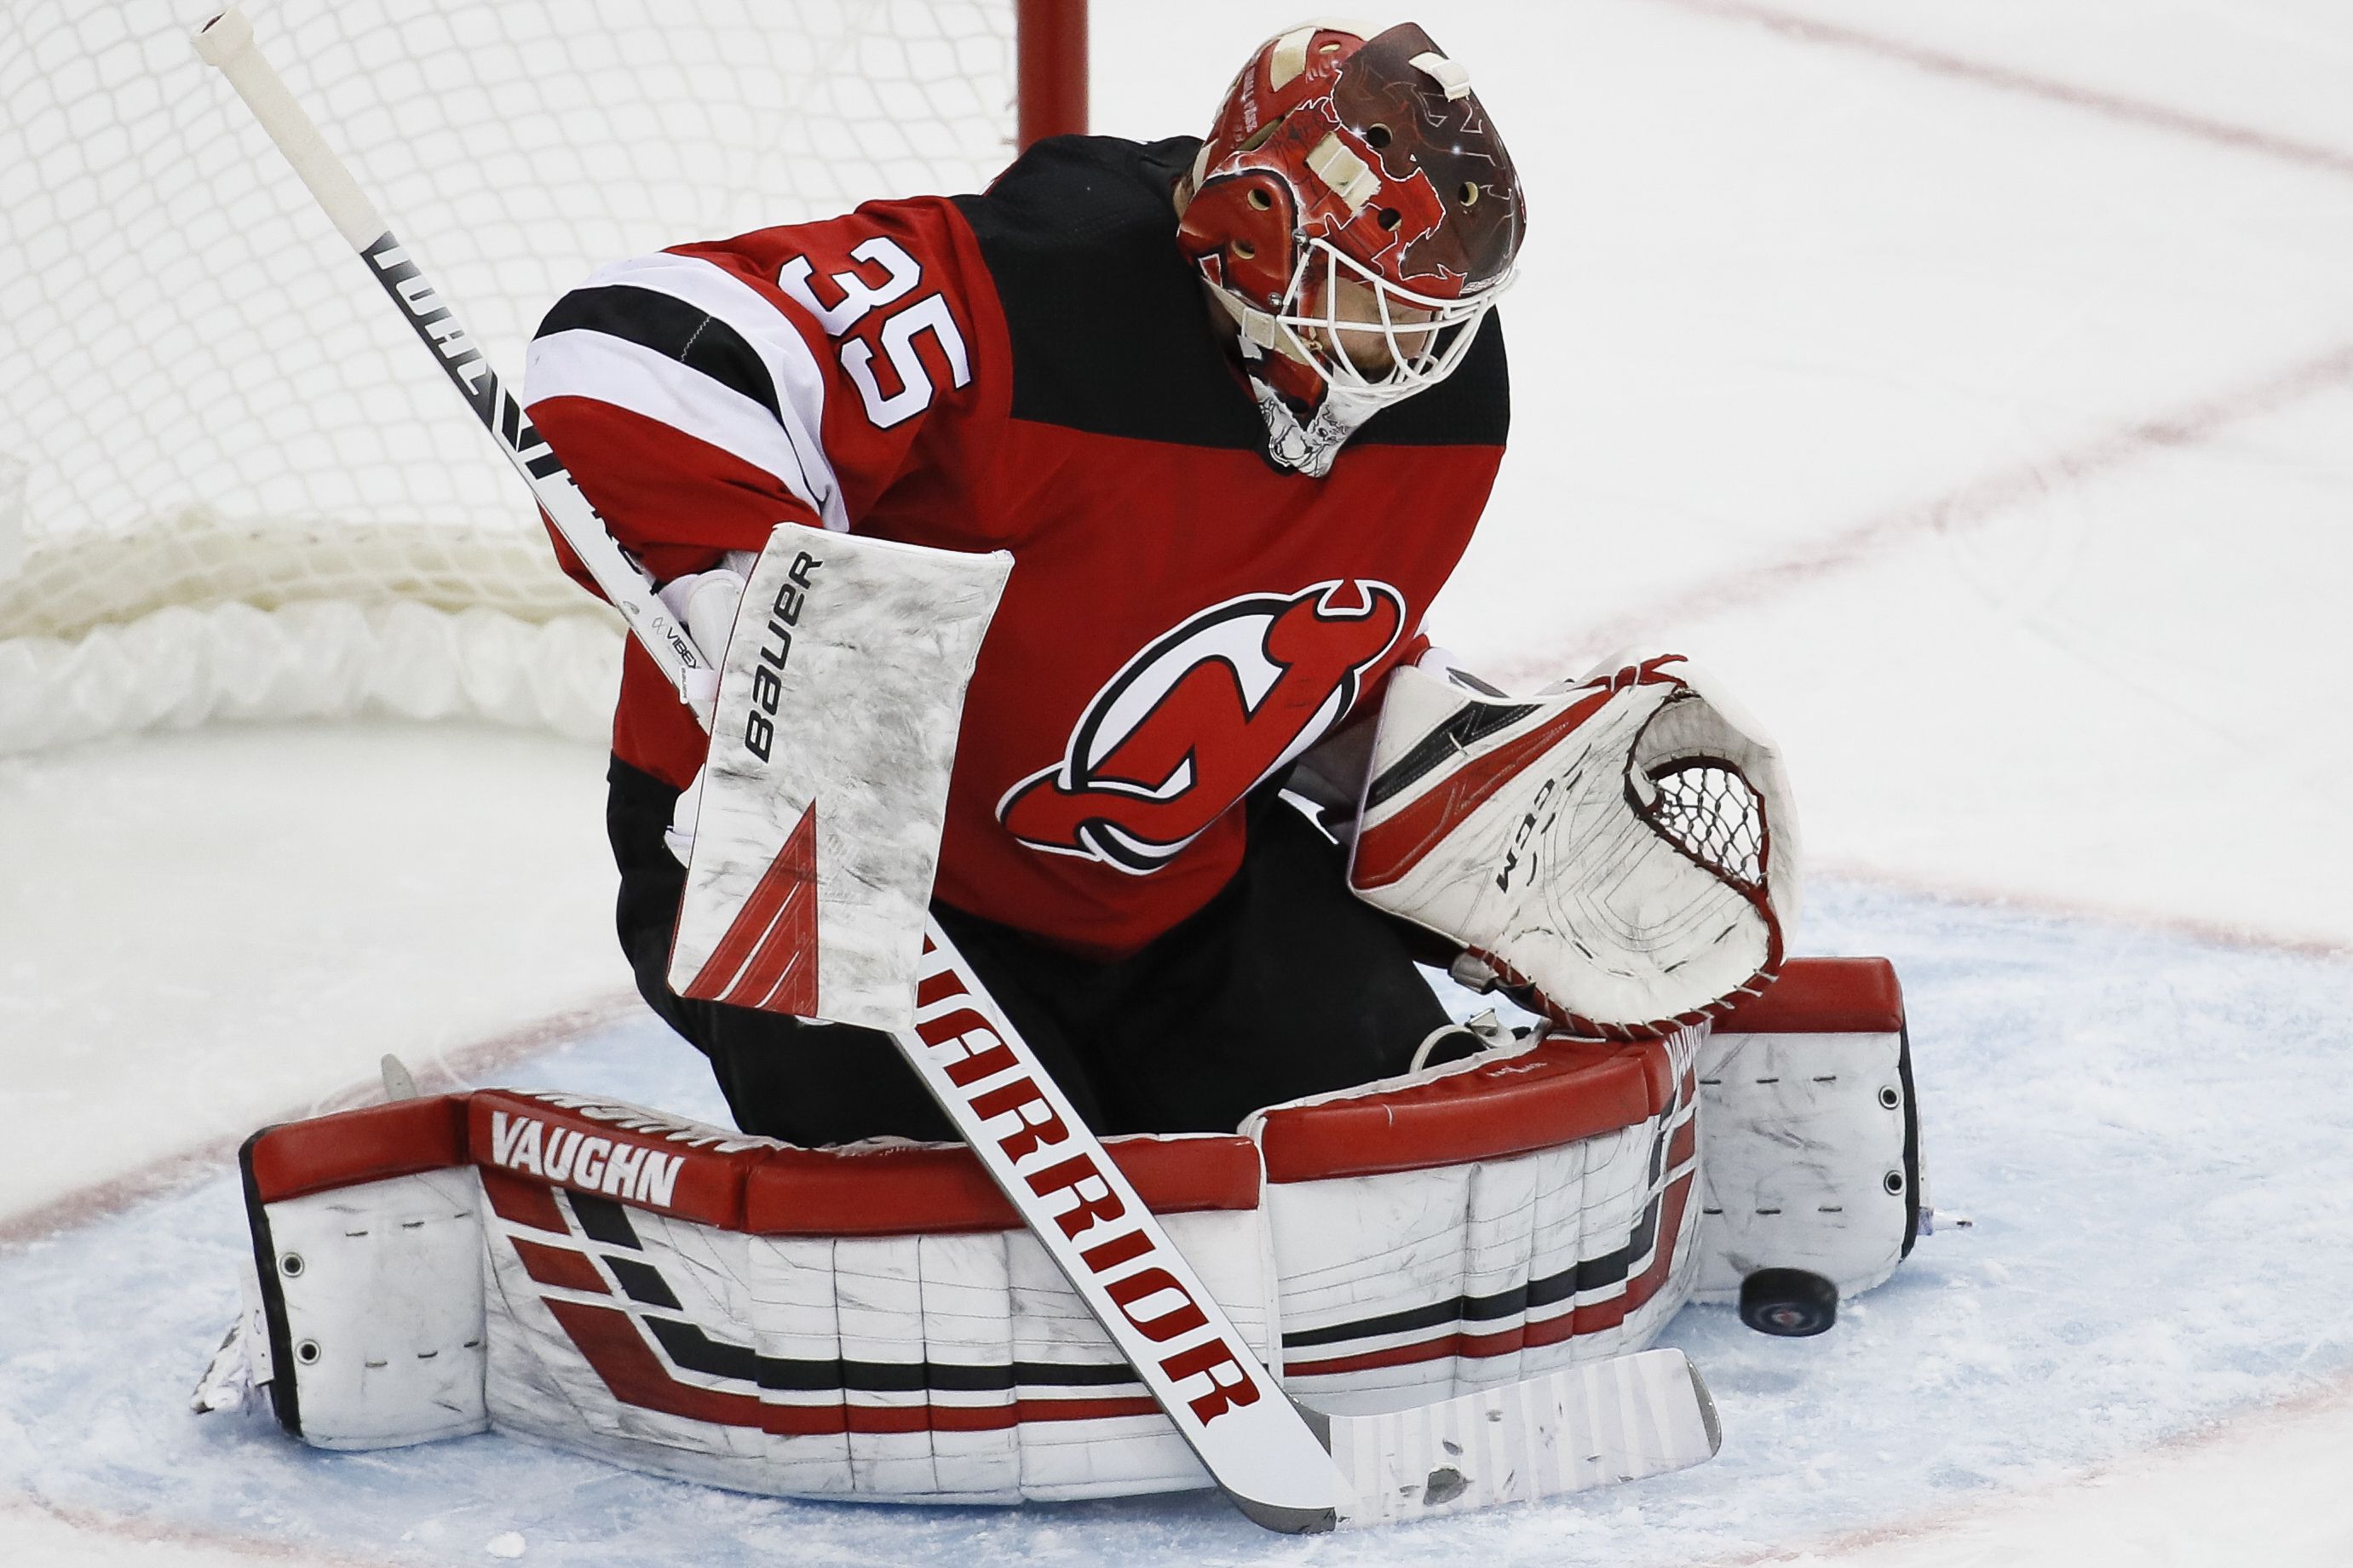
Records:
x=229, y=487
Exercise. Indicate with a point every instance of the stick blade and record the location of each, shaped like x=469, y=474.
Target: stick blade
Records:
x=1569, y=1431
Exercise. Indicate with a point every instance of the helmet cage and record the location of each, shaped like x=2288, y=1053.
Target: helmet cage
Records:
x=1423, y=350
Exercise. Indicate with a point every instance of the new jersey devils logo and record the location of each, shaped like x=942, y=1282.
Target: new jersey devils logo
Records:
x=1200, y=717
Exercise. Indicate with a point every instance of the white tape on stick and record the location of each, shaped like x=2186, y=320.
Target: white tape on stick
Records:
x=226, y=43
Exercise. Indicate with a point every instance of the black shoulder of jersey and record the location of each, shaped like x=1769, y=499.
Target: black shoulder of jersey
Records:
x=1110, y=332
x=1471, y=407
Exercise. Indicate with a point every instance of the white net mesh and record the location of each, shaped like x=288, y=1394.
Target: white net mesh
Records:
x=211, y=403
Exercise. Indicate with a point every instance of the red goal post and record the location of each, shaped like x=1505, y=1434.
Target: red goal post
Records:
x=227, y=488
x=1052, y=74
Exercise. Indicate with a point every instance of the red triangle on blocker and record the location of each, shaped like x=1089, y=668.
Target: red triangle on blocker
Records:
x=768, y=960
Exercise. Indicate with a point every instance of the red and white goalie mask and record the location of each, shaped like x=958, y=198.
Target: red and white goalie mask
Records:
x=1357, y=216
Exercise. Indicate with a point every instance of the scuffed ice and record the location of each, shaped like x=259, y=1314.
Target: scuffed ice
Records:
x=2142, y=1129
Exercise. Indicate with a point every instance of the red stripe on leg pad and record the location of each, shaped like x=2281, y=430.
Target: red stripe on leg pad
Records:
x=620, y=1152
x=560, y=1266
x=1555, y=1093
x=1469, y=1345
x=1823, y=996
x=615, y=1348
x=371, y=1144
x=520, y=1201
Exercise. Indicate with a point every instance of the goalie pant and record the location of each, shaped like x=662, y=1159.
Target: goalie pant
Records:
x=874, y=1324
x=1286, y=985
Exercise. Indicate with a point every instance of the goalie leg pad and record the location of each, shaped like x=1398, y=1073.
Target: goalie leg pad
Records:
x=1812, y=1133
x=367, y=1270
x=1484, y=1221
x=870, y=1323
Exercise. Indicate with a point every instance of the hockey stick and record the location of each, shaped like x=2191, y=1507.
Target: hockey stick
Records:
x=1286, y=1467
x=227, y=43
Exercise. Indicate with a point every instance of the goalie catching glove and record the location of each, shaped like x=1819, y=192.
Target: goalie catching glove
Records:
x=1622, y=852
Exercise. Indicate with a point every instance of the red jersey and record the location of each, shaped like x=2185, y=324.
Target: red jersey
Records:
x=1034, y=369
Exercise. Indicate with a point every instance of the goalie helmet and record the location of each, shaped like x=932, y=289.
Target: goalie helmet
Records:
x=1357, y=216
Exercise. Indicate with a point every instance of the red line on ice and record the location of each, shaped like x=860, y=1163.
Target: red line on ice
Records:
x=2108, y=105
x=213, y=1542
x=218, y=1156
x=1958, y=1516
x=2223, y=933
x=1973, y=502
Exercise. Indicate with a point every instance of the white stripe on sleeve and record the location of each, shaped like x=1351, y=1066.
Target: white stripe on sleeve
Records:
x=799, y=382
x=615, y=371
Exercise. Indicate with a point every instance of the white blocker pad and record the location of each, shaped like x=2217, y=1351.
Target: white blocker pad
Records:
x=1813, y=1144
x=840, y=697
x=1624, y=849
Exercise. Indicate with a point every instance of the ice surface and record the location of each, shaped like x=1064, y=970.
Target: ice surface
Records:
x=198, y=930
x=2143, y=1131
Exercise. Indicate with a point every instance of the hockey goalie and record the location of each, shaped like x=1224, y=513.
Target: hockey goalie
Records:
x=1211, y=810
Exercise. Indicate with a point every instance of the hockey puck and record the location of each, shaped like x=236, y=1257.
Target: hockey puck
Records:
x=1789, y=1302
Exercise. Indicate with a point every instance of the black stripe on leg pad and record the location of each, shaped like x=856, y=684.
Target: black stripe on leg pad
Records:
x=285, y=1399
x=691, y=1348
x=1591, y=1274
x=602, y=1219
x=643, y=1283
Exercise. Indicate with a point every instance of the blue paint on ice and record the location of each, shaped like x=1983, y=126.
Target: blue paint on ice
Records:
x=2147, y=1131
